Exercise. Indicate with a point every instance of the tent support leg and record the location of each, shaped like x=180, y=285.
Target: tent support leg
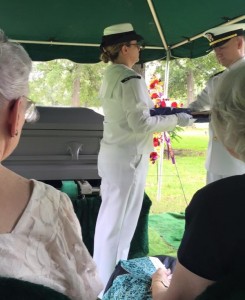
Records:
x=160, y=166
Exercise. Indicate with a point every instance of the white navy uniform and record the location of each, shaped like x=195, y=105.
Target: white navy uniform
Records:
x=219, y=163
x=123, y=162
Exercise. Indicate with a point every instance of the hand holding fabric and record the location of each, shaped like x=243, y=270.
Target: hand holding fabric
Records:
x=163, y=276
x=185, y=119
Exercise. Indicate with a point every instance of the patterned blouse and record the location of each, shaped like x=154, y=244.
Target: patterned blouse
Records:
x=46, y=247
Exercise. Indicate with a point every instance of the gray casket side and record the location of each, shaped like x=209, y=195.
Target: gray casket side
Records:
x=62, y=145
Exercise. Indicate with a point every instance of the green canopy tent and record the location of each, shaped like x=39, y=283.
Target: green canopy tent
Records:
x=52, y=29
x=72, y=29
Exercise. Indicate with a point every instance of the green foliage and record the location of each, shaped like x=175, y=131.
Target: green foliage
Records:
x=91, y=77
x=63, y=82
x=182, y=70
x=54, y=83
x=175, y=134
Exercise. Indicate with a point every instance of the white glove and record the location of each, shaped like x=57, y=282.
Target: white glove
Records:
x=184, y=119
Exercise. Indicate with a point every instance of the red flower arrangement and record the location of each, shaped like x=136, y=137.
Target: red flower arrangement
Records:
x=156, y=94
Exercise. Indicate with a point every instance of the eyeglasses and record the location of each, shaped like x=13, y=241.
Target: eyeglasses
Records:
x=139, y=46
x=31, y=114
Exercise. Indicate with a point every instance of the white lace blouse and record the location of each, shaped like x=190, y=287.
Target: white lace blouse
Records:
x=46, y=247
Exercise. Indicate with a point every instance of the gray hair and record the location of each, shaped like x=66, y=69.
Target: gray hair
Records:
x=15, y=68
x=228, y=112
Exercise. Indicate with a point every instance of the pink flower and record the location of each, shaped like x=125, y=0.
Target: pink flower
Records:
x=153, y=157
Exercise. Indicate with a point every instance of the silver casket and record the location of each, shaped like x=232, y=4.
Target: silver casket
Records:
x=62, y=145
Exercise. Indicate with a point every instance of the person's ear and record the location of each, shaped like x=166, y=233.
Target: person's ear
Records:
x=14, y=118
x=124, y=49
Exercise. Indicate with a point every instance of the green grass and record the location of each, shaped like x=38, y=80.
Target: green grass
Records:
x=181, y=180
x=192, y=140
x=178, y=183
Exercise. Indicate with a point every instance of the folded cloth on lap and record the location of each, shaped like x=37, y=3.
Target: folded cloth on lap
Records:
x=131, y=279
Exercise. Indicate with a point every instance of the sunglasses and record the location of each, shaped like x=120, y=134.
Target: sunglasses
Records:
x=138, y=45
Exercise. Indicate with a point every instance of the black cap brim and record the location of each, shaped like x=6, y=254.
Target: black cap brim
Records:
x=112, y=39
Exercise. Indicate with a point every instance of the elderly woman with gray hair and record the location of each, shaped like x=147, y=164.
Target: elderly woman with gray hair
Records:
x=213, y=246
x=40, y=236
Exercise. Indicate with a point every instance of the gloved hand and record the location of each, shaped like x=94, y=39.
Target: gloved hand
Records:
x=185, y=119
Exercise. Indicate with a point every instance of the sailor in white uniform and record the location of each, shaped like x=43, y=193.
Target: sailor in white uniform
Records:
x=126, y=145
x=228, y=43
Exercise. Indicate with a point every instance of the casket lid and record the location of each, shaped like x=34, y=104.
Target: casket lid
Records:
x=67, y=118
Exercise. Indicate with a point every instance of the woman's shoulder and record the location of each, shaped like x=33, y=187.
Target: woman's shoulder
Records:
x=228, y=184
x=50, y=199
x=219, y=193
x=53, y=208
x=42, y=189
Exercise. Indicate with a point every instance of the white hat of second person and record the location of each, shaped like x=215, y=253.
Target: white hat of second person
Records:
x=218, y=36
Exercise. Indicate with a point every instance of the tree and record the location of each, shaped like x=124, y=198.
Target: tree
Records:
x=187, y=77
x=63, y=82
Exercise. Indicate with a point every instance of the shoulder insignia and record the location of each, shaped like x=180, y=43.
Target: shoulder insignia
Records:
x=216, y=74
x=130, y=77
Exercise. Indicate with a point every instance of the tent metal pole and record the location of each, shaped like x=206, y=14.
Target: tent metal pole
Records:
x=157, y=24
x=50, y=43
x=159, y=170
x=160, y=166
x=166, y=75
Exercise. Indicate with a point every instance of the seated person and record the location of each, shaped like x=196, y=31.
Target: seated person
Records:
x=40, y=236
x=213, y=244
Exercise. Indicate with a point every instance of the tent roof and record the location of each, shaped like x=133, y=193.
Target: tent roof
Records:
x=51, y=29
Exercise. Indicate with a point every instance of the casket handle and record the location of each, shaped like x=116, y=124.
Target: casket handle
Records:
x=74, y=148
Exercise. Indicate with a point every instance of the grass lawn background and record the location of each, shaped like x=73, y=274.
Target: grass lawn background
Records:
x=178, y=184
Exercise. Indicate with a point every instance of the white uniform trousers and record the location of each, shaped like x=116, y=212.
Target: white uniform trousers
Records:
x=122, y=192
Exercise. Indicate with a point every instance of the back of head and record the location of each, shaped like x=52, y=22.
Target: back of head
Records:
x=228, y=112
x=15, y=68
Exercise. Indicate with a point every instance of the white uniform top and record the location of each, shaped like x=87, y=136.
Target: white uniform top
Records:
x=218, y=159
x=128, y=126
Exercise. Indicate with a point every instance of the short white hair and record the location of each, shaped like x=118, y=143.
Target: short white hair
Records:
x=15, y=68
x=228, y=111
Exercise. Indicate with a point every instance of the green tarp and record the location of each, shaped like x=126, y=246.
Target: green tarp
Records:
x=81, y=23
x=87, y=208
